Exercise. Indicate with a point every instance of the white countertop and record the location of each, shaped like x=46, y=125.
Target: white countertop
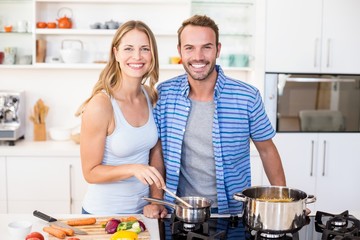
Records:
x=38, y=224
x=41, y=148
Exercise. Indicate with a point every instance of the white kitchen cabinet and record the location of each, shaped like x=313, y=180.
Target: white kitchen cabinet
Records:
x=38, y=183
x=3, y=194
x=21, y=39
x=312, y=36
x=325, y=165
x=78, y=185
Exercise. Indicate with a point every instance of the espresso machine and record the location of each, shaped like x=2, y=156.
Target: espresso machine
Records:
x=12, y=116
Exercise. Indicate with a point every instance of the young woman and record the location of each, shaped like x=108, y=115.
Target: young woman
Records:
x=120, y=152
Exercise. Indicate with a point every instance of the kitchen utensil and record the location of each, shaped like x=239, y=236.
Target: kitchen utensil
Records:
x=198, y=214
x=25, y=60
x=71, y=54
x=2, y=55
x=41, y=25
x=51, y=25
x=19, y=229
x=12, y=115
x=8, y=28
x=112, y=24
x=63, y=20
x=10, y=55
x=54, y=221
x=22, y=26
x=259, y=213
x=176, y=197
x=95, y=25
x=60, y=133
x=40, y=50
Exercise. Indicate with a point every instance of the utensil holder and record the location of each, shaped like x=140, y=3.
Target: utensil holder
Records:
x=39, y=132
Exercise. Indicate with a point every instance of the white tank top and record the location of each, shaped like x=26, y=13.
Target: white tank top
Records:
x=126, y=145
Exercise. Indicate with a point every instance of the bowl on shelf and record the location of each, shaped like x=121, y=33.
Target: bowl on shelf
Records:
x=19, y=229
x=8, y=28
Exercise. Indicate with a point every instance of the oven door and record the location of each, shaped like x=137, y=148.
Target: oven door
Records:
x=313, y=103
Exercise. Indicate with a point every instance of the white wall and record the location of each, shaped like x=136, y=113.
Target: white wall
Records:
x=63, y=90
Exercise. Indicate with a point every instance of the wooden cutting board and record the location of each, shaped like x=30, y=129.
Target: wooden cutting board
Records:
x=96, y=232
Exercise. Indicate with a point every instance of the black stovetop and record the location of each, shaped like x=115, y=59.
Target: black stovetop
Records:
x=231, y=228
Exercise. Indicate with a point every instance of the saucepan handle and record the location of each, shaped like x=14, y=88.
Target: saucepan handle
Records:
x=159, y=201
x=240, y=197
x=310, y=199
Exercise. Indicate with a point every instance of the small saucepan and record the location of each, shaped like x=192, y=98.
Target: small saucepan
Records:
x=199, y=213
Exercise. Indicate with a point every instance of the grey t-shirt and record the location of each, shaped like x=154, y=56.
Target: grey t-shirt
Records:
x=197, y=171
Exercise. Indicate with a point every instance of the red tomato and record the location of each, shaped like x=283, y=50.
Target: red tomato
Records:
x=34, y=236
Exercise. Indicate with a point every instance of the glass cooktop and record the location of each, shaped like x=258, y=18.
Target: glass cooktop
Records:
x=232, y=227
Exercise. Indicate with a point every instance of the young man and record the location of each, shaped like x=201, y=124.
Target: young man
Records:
x=206, y=121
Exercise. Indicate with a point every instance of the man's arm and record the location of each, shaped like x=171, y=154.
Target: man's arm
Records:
x=272, y=162
x=156, y=160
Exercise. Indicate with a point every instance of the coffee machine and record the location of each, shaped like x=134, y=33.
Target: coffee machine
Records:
x=12, y=116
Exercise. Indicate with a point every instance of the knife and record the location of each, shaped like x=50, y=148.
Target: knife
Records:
x=54, y=221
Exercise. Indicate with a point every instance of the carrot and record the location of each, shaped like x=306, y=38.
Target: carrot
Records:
x=81, y=221
x=68, y=231
x=55, y=232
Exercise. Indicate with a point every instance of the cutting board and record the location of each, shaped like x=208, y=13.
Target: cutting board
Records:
x=96, y=232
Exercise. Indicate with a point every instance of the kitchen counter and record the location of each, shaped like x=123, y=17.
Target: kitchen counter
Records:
x=38, y=224
x=41, y=148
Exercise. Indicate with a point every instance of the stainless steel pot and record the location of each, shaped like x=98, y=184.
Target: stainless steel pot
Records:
x=262, y=213
x=199, y=213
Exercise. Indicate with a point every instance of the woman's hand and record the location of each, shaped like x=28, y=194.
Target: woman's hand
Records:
x=155, y=211
x=149, y=175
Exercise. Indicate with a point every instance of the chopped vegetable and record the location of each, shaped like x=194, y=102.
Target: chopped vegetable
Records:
x=135, y=227
x=112, y=225
x=124, y=235
x=103, y=224
x=142, y=226
x=124, y=226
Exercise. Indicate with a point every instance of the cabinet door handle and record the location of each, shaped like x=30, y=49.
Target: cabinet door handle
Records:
x=328, y=53
x=316, y=52
x=70, y=180
x=324, y=158
x=312, y=158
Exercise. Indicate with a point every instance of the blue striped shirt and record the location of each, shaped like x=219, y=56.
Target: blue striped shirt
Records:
x=239, y=115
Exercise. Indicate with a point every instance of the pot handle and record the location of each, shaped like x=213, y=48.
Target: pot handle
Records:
x=310, y=199
x=159, y=201
x=240, y=197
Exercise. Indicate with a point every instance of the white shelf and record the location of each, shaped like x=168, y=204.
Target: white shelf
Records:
x=165, y=67
x=113, y=1
x=59, y=31
x=73, y=31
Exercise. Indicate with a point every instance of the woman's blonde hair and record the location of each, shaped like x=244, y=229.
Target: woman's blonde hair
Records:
x=110, y=76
